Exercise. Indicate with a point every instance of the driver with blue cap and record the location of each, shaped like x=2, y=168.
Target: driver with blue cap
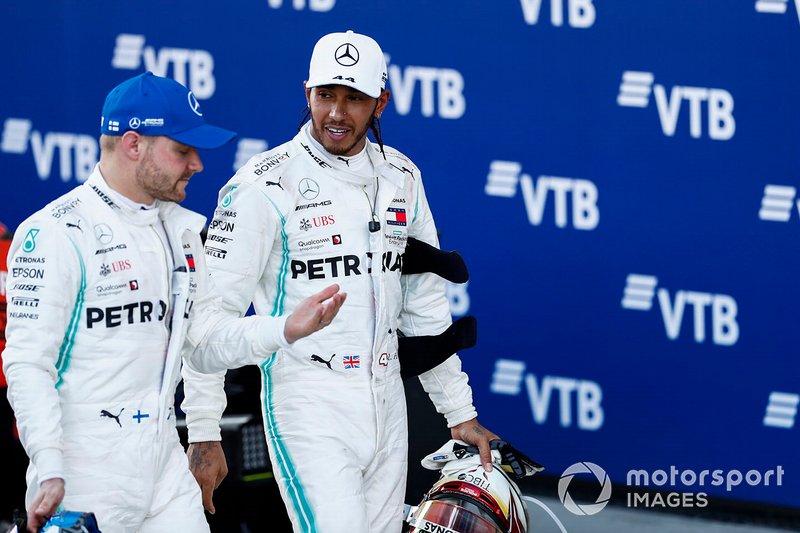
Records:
x=104, y=280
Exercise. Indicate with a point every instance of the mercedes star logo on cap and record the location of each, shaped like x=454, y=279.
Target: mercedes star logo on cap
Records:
x=346, y=55
x=194, y=104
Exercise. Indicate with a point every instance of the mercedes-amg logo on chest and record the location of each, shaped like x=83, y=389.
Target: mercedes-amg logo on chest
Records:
x=308, y=188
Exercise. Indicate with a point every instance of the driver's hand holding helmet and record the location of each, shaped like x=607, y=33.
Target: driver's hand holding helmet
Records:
x=467, y=498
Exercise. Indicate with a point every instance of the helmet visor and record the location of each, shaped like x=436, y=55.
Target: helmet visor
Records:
x=454, y=518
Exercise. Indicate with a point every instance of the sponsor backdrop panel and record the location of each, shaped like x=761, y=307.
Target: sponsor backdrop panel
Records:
x=620, y=176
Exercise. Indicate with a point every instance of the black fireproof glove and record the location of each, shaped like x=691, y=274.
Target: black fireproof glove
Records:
x=420, y=354
x=421, y=257
x=512, y=460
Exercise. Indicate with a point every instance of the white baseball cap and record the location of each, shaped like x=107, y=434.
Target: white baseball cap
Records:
x=348, y=59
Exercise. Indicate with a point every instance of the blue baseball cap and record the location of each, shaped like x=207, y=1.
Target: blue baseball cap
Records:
x=152, y=105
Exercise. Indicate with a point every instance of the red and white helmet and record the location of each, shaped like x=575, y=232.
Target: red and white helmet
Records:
x=467, y=498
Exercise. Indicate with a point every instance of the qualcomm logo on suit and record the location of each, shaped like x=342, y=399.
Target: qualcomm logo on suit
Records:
x=635, y=89
x=191, y=68
x=583, y=397
x=78, y=153
x=580, y=194
x=641, y=289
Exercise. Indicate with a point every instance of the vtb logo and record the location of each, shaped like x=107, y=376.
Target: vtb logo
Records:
x=509, y=376
x=441, y=90
x=635, y=90
x=77, y=152
x=640, y=290
x=247, y=148
x=459, y=298
x=313, y=5
x=191, y=68
x=580, y=13
x=777, y=203
x=580, y=194
x=781, y=410
x=776, y=7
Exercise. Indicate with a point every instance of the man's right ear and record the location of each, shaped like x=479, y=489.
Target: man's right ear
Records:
x=132, y=144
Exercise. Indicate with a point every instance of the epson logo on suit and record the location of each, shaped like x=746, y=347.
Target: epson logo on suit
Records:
x=190, y=67
x=716, y=104
x=640, y=291
x=25, y=272
x=579, y=13
x=221, y=225
x=77, y=153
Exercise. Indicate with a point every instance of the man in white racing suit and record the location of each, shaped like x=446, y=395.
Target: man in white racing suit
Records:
x=330, y=206
x=101, y=285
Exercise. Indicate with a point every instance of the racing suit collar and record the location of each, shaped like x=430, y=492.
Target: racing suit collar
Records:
x=173, y=215
x=180, y=219
x=110, y=197
x=380, y=166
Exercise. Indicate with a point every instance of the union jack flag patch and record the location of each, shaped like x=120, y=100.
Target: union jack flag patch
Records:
x=352, y=361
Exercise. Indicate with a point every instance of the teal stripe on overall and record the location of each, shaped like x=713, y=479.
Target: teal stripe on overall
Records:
x=292, y=481
x=416, y=202
x=67, y=344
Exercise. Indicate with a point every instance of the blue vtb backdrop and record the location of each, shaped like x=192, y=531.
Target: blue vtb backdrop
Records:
x=620, y=177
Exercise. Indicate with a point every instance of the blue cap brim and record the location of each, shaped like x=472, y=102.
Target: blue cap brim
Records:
x=205, y=136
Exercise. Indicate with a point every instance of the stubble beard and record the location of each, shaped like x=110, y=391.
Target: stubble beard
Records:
x=157, y=183
x=332, y=148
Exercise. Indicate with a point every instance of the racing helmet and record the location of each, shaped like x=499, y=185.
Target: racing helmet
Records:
x=71, y=522
x=469, y=499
